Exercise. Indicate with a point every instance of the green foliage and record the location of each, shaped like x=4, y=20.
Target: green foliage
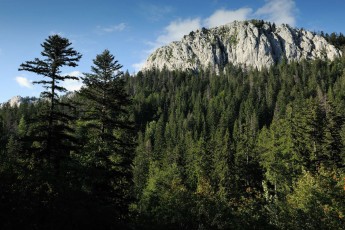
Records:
x=278, y=157
x=338, y=40
x=258, y=23
x=56, y=173
x=107, y=134
x=317, y=201
x=52, y=124
x=236, y=145
x=233, y=39
x=242, y=150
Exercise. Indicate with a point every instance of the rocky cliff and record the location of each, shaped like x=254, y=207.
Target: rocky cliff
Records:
x=248, y=44
x=16, y=101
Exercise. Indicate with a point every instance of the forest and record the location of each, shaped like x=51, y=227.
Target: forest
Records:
x=244, y=149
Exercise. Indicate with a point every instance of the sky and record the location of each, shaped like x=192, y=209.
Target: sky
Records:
x=131, y=30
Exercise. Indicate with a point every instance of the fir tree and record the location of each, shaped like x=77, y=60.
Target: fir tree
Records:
x=52, y=127
x=109, y=130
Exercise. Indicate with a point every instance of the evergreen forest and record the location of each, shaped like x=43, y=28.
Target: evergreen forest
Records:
x=242, y=149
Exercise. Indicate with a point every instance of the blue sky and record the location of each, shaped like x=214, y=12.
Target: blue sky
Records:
x=132, y=29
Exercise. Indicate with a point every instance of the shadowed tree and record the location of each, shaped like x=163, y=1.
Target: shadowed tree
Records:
x=109, y=144
x=53, y=132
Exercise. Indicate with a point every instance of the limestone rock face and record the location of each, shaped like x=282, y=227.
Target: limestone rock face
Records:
x=246, y=44
x=16, y=101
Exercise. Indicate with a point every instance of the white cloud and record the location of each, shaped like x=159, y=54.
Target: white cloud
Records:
x=278, y=11
x=24, y=82
x=138, y=66
x=177, y=29
x=221, y=17
x=173, y=32
x=75, y=73
x=73, y=85
x=114, y=28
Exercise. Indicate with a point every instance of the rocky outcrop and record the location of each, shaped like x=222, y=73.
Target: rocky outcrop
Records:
x=16, y=101
x=248, y=44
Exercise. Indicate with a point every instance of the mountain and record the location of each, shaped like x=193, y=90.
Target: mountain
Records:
x=17, y=100
x=243, y=43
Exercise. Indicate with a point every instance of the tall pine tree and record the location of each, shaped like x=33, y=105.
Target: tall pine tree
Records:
x=53, y=132
x=109, y=130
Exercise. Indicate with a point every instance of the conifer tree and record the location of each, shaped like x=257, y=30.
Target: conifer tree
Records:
x=52, y=128
x=105, y=92
x=22, y=127
x=109, y=131
x=2, y=135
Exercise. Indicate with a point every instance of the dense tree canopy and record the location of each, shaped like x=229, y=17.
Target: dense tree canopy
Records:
x=238, y=148
x=64, y=163
x=245, y=149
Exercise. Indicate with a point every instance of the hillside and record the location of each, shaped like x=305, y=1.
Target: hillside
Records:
x=242, y=43
x=244, y=149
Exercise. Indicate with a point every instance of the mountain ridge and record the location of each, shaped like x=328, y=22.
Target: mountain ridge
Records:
x=252, y=43
x=16, y=101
